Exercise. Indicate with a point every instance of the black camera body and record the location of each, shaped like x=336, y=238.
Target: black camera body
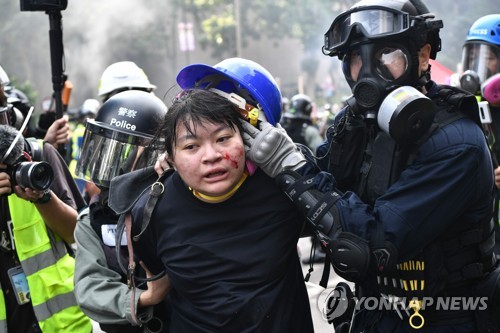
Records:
x=43, y=5
x=34, y=175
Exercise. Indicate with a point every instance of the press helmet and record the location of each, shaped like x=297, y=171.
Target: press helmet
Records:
x=113, y=141
x=243, y=77
x=123, y=75
x=481, y=52
x=300, y=107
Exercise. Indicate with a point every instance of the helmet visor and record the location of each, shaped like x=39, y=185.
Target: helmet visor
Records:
x=481, y=58
x=372, y=22
x=106, y=153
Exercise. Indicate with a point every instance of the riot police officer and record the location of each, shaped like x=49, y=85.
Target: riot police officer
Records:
x=297, y=122
x=115, y=143
x=405, y=207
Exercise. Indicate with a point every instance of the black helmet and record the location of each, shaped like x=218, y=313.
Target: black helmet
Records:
x=300, y=107
x=20, y=106
x=125, y=124
x=407, y=21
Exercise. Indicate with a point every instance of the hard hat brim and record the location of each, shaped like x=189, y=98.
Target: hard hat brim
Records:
x=190, y=75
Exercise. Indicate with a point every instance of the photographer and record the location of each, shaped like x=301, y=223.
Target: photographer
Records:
x=36, y=224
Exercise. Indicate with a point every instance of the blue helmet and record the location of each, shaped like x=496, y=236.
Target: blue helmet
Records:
x=243, y=77
x=486, y=29
x=481, y=46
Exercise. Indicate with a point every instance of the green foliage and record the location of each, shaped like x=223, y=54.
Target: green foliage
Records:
x=27, y=88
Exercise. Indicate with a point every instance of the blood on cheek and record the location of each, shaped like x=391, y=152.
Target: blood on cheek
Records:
x=234, y=162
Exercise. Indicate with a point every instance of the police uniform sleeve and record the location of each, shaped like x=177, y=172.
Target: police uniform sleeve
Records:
x=451, y=179
x=64, y=185
x=98, y=289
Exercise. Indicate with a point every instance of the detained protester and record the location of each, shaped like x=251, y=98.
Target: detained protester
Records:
x=224, y=232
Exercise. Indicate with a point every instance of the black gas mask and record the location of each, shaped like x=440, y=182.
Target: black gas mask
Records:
x=379, y=46
x=382, y=77
x=373, y=70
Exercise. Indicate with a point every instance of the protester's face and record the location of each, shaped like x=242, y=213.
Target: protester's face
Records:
x=211, y=161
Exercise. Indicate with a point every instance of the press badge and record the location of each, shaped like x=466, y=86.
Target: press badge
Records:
x=19, y=285
x=108, y=232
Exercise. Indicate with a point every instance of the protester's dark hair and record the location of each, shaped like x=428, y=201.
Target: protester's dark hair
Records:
x=192, y=107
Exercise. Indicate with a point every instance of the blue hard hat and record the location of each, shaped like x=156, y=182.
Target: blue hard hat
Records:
x=481, y=48
x=486, y=29
x=243, y=77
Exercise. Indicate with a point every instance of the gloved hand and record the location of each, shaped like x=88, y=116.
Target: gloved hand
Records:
x=271, y=148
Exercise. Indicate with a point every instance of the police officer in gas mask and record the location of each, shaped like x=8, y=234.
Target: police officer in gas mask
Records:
x=114, y=143
x=404, y=202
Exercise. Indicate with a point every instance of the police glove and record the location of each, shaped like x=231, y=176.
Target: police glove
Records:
x=271, y=148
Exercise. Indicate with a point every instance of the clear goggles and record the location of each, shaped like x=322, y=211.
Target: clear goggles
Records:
x=107, y=153
x=481, y=58
x=372, y=21
x=391, y=63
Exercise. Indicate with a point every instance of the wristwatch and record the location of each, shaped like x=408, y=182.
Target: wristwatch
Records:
x=47, y=195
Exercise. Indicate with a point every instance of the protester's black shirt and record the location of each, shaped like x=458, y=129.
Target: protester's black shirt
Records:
x=233, y=265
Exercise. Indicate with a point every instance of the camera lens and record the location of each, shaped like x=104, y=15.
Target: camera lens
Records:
x=35, y=175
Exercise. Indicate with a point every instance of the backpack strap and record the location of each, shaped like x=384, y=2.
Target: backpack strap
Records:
x=155, y=192
x=123, y=206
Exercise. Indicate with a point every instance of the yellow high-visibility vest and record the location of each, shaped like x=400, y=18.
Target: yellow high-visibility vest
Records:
x=3, y=313
x=49, y=270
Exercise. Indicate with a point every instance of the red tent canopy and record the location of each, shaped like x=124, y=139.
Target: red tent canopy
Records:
x=440, y=73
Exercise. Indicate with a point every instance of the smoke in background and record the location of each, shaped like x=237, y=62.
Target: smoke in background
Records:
x=97, y=33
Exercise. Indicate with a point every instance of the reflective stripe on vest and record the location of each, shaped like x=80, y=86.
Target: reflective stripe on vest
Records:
x=3, y=313
x=49, y=270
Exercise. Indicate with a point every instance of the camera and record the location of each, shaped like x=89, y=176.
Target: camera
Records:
x=43, y=5
x=35, y=175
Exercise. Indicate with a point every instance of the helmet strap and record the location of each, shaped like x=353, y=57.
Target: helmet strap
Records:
x=424, y=78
